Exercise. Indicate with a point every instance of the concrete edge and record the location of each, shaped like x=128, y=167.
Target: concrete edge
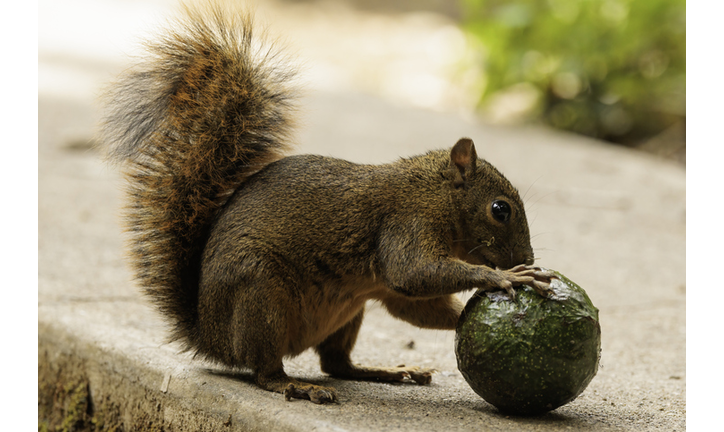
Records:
x=82, y=386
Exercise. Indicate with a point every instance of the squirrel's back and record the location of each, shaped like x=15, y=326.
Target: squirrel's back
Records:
x=208, y=107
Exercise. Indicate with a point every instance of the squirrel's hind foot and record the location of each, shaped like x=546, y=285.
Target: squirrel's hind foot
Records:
x=394, y=374
x=314, y=393
x=292, y=389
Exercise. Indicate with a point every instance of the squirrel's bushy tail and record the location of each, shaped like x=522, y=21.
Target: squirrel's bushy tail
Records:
x=206, y=109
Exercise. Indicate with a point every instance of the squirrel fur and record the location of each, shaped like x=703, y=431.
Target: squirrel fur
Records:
x=253, y=256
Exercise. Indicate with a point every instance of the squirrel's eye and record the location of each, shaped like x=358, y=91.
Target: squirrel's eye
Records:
x=501, y=211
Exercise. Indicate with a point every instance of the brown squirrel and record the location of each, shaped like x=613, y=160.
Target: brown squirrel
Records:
x=253, y=256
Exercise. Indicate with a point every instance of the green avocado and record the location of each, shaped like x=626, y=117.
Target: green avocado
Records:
x=533, y=354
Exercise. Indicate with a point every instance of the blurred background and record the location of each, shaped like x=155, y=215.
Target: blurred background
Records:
x=609, y=69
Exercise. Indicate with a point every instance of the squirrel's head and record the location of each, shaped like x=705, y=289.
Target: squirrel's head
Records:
x=493, y=229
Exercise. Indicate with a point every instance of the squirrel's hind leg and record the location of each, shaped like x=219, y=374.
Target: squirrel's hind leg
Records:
x=334, y=355
x=437, y=313
x=260, y=340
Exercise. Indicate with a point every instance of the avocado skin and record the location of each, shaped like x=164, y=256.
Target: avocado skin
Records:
x=530, y=355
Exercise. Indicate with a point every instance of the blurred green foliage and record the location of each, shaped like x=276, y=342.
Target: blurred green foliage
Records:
x=611, y=69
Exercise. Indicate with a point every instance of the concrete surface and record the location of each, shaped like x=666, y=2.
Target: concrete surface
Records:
x=608, y=218
x=611, y=220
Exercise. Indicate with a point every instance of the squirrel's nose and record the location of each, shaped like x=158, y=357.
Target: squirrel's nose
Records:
x=522, y=256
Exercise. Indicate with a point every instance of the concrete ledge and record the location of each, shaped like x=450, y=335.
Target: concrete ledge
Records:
x=610, y=219
x=84, y=386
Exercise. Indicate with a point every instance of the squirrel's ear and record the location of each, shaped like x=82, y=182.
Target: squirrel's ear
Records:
x=463, y=157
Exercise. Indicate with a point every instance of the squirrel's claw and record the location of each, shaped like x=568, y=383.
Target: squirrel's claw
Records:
x=542, y=281
x=542, y=288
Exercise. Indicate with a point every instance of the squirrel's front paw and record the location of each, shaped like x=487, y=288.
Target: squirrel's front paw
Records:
x=536, y=277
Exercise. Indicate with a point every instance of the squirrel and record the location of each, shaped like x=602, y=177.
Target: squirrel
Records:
x=253, y=255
